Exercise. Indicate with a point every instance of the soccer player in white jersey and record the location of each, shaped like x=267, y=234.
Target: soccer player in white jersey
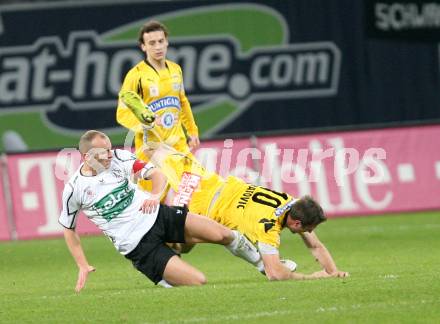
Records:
x=133, y=219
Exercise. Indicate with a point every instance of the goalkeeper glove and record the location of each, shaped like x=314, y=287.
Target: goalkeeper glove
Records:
x=137, y=106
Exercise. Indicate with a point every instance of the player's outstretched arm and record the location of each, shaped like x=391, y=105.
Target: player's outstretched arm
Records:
x=321, y=254
x=74, y=244
x=275, y=270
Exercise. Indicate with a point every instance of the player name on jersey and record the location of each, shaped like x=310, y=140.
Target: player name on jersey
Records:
x=245, y=196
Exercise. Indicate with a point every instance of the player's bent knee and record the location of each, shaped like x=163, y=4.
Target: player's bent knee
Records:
x=179, y=273
x=197, y=279
x=223, y=236
x=227, y=236
x=200, y=280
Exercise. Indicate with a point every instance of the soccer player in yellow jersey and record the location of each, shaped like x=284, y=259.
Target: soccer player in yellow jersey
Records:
x=159, y=82
x=258, y=213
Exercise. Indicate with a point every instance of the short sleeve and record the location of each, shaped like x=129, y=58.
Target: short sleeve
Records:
x=70, y=208
x=127, y=159
x=148, y=168
x=268, y=232
x=265, y=248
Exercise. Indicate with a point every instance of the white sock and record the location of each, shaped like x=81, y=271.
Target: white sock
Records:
x=243, y=248
x=164, y=284
x=260, y=267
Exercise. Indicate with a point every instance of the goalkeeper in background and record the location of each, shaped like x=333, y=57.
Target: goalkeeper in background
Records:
x=159, y=83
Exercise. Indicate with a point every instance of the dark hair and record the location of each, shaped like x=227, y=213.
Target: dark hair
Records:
x=149, y=27
x=308, y=211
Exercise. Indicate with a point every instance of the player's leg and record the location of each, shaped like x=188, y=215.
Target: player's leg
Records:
x=179, y=273
x=158, y=261
x=182, y=226
x=137, y=106
x=172, y=269
x=181, y=248
x=161, y=264
x=201, y=229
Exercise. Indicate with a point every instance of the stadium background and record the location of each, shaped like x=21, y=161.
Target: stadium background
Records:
x=270, y=75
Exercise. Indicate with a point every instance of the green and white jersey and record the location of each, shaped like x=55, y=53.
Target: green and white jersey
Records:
x=111, y=201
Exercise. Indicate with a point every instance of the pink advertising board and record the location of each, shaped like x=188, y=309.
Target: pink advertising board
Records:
x=349, y=173
x=4, y=228
x=36, y=186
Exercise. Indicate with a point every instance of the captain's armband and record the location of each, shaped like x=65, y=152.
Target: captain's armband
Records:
x=142, y=170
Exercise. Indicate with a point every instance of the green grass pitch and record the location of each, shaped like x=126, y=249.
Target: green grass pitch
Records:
x=394, y=263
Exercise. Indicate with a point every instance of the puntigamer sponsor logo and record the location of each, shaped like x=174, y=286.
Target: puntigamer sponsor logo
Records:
x=85, y=69
x=164, y=103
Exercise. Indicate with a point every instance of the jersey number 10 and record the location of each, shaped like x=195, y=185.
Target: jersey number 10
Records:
x=269, y=199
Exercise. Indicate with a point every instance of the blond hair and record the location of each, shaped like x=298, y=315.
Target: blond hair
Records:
x=85, y=142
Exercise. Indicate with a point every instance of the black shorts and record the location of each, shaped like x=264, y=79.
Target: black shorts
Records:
x=151, y=255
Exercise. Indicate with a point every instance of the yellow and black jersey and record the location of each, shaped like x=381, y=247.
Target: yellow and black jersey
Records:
x=257, y=212
x=164, y=93
x=190, y=183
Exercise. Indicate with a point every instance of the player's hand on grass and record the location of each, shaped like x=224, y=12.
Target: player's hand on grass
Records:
x=150, y=205
x=340, y=274
x=82, y=277
x=320, y=274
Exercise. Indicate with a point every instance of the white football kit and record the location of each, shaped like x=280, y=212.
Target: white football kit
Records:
x=111, y=201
